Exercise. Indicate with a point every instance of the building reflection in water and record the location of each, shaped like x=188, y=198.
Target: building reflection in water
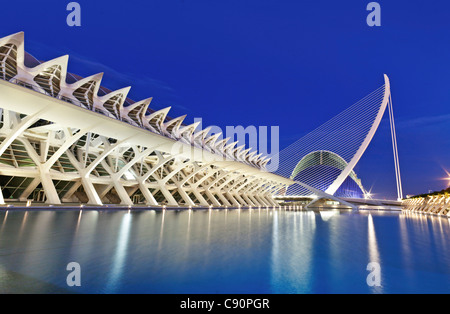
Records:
x=161, y=232
x=118, y=265
x=4, y=222
x=293, y=236
x=374, y=254
x=227, y=251
x=83, y=244
x=430, y=226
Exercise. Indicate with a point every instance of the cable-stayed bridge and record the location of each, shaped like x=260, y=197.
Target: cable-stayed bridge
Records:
x=322, y=162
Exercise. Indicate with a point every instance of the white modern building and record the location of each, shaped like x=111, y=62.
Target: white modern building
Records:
x=67, y=139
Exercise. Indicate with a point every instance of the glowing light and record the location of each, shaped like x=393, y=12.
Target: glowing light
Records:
x=448, y=177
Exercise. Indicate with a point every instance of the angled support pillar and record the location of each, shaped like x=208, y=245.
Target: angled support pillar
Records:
x=168, y=196
x=185, y=196
x=67, y=196
x=29, y=189
x=271, y=200
x=118, y=186
x=102, y=190
x=239, y=199
x=49, y=188
x=248, y=200
x=219, y=194
x=88, y=186
x=2, y=200
x=44, y=174
x=202, y=200
x=149, y=198
x=234, y=200
x=213, y=199
x=94, y=198
x=261, y=200
x=122, y=192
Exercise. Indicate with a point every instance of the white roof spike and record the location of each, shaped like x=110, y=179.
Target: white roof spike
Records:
x=164, y=112
x=255, y=159
x=202, y=134
x=250, y=156
x=124, y=91
x=237, y=150
x=171, y=127
x=155, y=120
x=230, y=146
x=47, y=83
x=221, y=144
x=139, y=108
x=212, y=139
x=265, y=162
x=190, y=129
x=144, y=102
x=96, y=78
x=116, y=108
x=242, y=154
x=61, y=61
x=16, y=39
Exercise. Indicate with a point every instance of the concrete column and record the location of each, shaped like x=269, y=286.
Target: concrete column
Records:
x=149, y=198
x=49, y=187
x=91, y=193
x=169, y=197
x=122, y=192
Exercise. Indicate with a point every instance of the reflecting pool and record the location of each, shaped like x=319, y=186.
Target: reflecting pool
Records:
x=223, y=251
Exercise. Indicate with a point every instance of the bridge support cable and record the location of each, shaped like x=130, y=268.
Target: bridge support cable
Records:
x=325, y=158
x=395, y=150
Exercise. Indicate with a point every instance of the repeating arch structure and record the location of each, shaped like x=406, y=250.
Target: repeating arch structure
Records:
x=323, y=161
x=67, y=139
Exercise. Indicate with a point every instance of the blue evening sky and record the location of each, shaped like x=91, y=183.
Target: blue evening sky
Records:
x=293, y=64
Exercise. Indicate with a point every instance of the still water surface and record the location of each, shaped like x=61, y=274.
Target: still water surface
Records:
x=233, y=251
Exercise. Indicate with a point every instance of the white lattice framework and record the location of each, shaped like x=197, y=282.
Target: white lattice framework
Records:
x=68, y=139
